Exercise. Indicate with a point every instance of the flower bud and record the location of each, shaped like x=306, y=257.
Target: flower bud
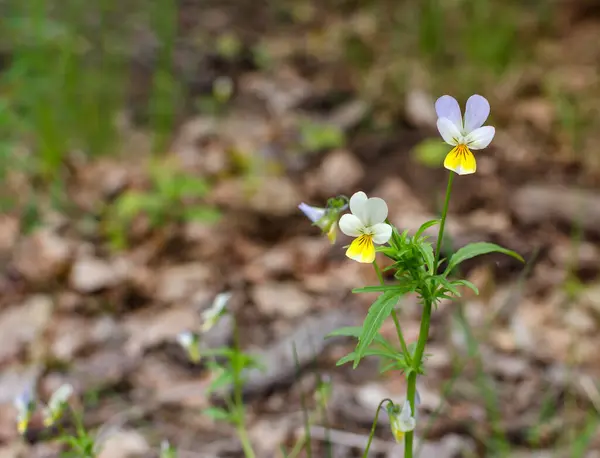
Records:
x=191, y=344
x=401, y=420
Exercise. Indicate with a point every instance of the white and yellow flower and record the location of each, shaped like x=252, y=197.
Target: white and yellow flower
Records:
x=401, y=421
x=191, y=344
x=464, y=134
x=366, y=223
x=25, y=405
x=57, y=403
x=211, y=315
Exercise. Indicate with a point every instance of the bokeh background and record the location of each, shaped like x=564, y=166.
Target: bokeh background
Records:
x=153, y=154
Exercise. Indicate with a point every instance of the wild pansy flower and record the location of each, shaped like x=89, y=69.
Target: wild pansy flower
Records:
x=191, y=344
x=57, y=403
x=25, y=405
x=401, y=420
x=326, y=218
x=211, y=315
x=464, y=134
x=366, y=223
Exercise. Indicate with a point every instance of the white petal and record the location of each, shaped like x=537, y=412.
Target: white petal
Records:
x=60, y=396
x=448, y=131
x=408, y=424
x=376, y=211
x=358, y=202
x=185, y=339
x=447, y=107
x=477, y=111
x=381, y=233
x=480, y=138
x=406, y=412
x=220, y=302
x=312, y=213
x=351, y=225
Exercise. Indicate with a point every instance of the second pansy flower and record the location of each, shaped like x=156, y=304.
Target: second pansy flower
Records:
x=366, y=223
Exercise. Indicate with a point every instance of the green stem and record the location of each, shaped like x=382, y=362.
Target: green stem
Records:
x=372, y=434
x=438, y=247
x=424, y=329
x=237, y=395
x=395, y=318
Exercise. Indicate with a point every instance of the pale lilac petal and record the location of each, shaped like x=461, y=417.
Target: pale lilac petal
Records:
x=351, y=225
x=447, y=107
x=480, y=138
x=376, y=211
x=358, y=203
x=381, y=233
x=476, y=113
x=449, y=131
x=312, y=213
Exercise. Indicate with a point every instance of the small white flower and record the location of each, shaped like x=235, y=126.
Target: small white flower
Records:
x=191, y=344
x=366, y=223
x=56, y=404
x=25, y=405
x=326, y=220
x=211, y=315
x=465, y=135
x=401, y=421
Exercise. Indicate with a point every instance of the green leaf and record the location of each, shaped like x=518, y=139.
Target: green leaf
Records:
x=427, y=251
x=448, y=285
x=388, y=367
x=426, y=226
x=477, y=249
x=372, y=352
x=216, y=413
x=380, y=289
x=355, y=331
x=377, y=314
x=466, y=283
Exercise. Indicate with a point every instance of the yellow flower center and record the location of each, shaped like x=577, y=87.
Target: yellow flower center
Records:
x=362, y=249
x=461, y=160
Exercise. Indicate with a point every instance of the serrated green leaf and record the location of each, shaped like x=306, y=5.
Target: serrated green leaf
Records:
x=477, y=249
x=377, y=314
x=425, y=226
